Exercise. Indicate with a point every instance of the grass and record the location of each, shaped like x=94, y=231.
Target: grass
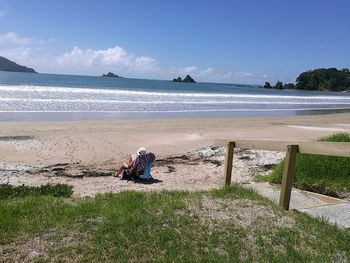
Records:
x=8, y=191
x=227, y=225
x=322, y=174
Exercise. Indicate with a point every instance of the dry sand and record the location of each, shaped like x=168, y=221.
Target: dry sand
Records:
x=85, y=154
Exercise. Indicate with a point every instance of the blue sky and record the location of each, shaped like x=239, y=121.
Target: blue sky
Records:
x=250, y=41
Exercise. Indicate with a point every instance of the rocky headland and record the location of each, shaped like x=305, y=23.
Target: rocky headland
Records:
x=8, y=65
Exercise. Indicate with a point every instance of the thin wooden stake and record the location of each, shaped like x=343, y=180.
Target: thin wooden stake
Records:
x=228, y=162
x=288, y=175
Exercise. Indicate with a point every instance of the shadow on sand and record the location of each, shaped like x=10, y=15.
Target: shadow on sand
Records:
x=144, y=181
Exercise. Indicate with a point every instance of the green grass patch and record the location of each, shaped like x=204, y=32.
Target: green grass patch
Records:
x=322, y=174
x=337, y=137
x=227, y=225
x=8, y=191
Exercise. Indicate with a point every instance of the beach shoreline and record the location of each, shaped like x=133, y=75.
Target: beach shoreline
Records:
x=149, y=115
x=86, y=147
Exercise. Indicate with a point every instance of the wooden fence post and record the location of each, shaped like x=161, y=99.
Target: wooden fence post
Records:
x=228, y=162
x=288, y=175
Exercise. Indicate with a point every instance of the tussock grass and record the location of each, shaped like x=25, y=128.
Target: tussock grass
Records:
x=322, y=174
x=226, y=225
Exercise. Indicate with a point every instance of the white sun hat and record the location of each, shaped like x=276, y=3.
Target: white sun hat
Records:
x=140, y=151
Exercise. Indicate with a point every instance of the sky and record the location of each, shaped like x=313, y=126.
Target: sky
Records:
x=230, y=41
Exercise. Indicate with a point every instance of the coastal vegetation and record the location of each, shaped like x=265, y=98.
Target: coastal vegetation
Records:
x=187, y=79
x=227, y=225
x=8, y=65
x=279, y=85
x=322, y=174
x=330, y=79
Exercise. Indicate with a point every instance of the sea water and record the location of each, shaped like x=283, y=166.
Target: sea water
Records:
x=29, y=96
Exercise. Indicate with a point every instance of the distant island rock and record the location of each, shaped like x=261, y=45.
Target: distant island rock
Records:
x=111, y=75
x=179, y=79
x=8, y=65
x=187, y=79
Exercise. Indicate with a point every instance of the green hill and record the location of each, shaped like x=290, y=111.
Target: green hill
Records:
x=330, y=79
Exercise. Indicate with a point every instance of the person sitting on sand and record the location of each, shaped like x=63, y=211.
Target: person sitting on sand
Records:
x=130, y=162
x=139, y=164
x=141, y=168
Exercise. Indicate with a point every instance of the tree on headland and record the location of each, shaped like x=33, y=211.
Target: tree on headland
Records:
x=329, y=79
x=288, y=86
x=267, y=85
x=279, y=85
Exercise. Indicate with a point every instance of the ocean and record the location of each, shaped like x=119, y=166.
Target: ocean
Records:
x=28, y=96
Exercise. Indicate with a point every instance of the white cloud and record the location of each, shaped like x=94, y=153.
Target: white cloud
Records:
x=116, y=58
x=32, y=57
x=26, y=51
x=209, y=70
x=40, y=55
x=244, y=74
x=11, y=38
x=18, y=53
x=190, y=69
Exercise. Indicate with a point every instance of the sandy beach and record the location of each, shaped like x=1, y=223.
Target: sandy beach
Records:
x=85, y=154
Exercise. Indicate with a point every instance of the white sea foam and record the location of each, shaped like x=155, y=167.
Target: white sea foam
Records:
x=72, y=90
x=175, y=111
x=29, y=98
x=168, y=102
